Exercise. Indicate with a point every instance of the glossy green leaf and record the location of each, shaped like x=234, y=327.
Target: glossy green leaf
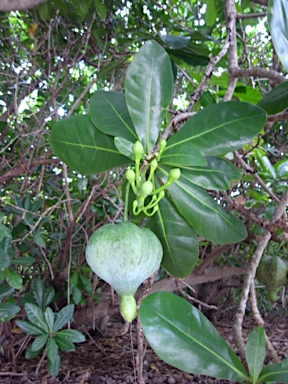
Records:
x=175, y=42
x=4, y=259
x=208, y=218
x=216, y=175
x=101, y=8
x=275, y=373
x=39, y=240
x=29, y=354
x=39, y=342
x=78, y=143
x=8, y=310
x=30, y=328
x=255, y=352
x=38, y=288
x=220, y=128
x=184, y=338
x=277, y=14
x=49, y=317
x=125, y=147
x=5, y=232
x=283, y=168
x=51, y=349
x=71, y=335
x=48, y=296
x=178, y=239
x=64, y=345
x=5, y=291
x=110, y=115
x=54, y=365
x=276, y=100
x=185, y=154
x=36, y=316
x=109, y=68
x=63, y=316
x=23, y=261
x=188, y=57
x=149, y=90
x=211, y=12
x=14, y=279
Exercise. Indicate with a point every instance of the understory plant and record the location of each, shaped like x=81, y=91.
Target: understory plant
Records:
x=167, y=173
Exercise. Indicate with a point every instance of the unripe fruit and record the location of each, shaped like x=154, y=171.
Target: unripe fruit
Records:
x=124, y=255
x=146, y=188
x=138, y=150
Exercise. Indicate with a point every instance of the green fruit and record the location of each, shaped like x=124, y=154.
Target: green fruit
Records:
x=146, y=188
x=124, y=255
x=272, y=296
x=272, y=271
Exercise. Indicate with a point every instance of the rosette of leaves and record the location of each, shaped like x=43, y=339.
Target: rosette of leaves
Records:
x=50, y=338
x=104, y=139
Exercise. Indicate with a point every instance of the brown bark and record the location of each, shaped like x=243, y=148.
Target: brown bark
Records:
x=18, y=5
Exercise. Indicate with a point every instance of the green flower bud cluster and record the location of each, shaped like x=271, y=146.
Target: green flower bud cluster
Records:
x=147, y=196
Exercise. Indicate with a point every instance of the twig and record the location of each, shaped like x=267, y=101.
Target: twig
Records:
x=259, y=321
x=251, y=272
x=258, y=72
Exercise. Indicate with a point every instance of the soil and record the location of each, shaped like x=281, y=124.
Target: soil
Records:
x=109, y=357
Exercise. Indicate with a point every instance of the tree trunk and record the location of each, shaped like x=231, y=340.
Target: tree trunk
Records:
x=19, y=5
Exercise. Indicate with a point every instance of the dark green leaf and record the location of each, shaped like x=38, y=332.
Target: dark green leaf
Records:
x=39, y=342
x=87, y=284
x=275, y=373
x=48, y=296
x=38, y=288
x=221, y=128
x=216, y=175
x=211, y=12
x=178, y=239
x=175, y=42
x=74, y=279
x=29, y=328
x=5, y=291
x=14, y=279
x=51, y=350
x=277, y=14
x=23, y=261
x=181, y=154
x=36, y=316
x=255, y=352
x=109, y=68
x=29, y=354
x=208, y=218
x=109, y=113
x=188, y=57
x=276, y=100
x=49, y=317
x=76, y=295
x=83, y=147
x=8, y=310
x=5, y=232
x=63, y=316
x=149, y=90
x=38, y=238
x=101, y=9
x=64, y=345
x=4, y=259
x=184, y=338
x=54, y=366
x=71, y=335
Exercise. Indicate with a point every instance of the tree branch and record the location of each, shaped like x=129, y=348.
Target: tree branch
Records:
x=258, y=72
x=19, y=5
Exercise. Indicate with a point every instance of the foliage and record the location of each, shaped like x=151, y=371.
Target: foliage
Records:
x=183, y=337
x=94, y=77
x=46, y=326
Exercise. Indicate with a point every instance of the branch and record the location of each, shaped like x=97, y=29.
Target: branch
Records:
x=250, y=15
x=19, y=5
x=24, y=167
x=250, y=276
x=230, y=11
x=258, y=72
